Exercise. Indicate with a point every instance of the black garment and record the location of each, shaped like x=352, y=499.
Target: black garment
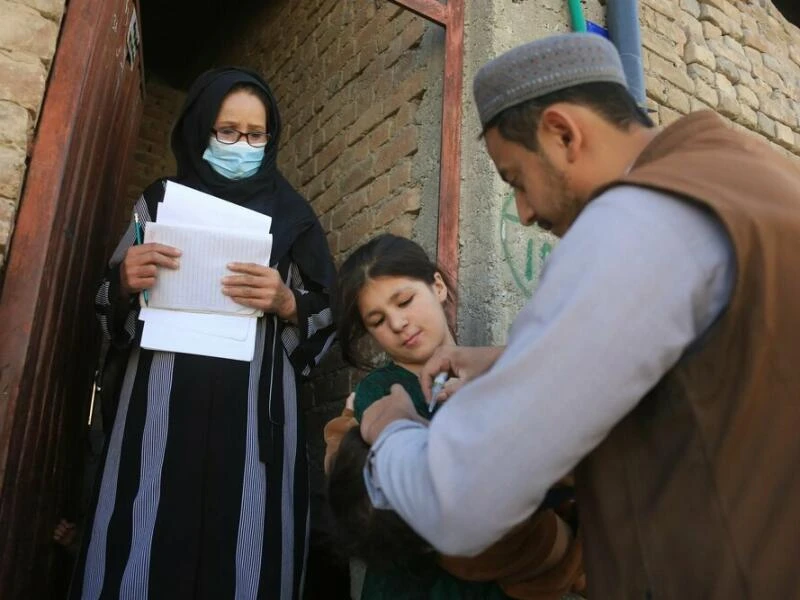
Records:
x=204, y=492
x=267, y=191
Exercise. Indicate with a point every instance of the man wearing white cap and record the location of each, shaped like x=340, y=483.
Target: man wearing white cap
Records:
x=658, y=358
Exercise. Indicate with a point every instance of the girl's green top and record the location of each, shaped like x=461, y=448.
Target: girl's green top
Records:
x=399, y=584
x=378, y=383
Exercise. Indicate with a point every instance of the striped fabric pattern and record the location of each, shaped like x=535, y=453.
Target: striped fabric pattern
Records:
x=188, y=506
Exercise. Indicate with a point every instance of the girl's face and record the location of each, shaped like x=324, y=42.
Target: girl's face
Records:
x=406, y=317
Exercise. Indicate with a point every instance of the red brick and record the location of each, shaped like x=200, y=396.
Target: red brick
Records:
x=326, y=200
x=327, y=39
x=402, y=144
x=306, y=172
x=358, y=176
x=347, y=115
x=409, y=37
x=314, y=188
x=318, y=139
x=334, y=105
x=364, y=14
x=403, y=226
x=388, y=11
x=365, y=123
x=367, y=37
x=326, y=221
x=378, y=190
x=326, y=9
x=405, y=116
x=349, y=206
x=412, y=88
x=356, y=231
x=346, y=14
x=333, y=84
x=400, y=174
x=406, y=202
x=330, y=152
x=379, y=136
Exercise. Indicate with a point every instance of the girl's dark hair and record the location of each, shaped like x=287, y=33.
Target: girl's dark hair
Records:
x=386, y=255
x=611, y=101
x=378, y=537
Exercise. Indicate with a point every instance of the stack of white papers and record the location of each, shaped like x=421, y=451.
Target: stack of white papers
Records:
x=186, y=310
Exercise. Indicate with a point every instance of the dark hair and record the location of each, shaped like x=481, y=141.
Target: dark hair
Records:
x=386, y=255
x=612, y=101
x=378, y=537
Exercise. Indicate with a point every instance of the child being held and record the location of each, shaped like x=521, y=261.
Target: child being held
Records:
x=389, y=289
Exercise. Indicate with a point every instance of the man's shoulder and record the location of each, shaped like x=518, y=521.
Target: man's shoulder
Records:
x=626, y=207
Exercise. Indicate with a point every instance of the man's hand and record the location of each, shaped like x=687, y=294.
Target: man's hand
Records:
x=140, y=266
x=260, y=287
x=464, y=362
x=397, y=405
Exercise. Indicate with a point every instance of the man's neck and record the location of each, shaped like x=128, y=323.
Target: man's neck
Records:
x=622, y=150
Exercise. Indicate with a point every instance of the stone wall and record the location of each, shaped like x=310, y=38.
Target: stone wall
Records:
x=28, y=35
x=739, y=58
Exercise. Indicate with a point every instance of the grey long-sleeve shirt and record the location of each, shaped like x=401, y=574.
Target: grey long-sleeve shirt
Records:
x=637, y=278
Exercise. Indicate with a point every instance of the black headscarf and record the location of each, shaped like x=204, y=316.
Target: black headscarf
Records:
x=295, y=228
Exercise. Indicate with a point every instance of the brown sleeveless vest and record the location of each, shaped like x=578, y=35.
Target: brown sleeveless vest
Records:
x=696, y=493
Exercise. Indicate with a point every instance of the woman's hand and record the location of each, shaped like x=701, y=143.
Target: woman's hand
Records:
x=139, y=268
x=262, y=288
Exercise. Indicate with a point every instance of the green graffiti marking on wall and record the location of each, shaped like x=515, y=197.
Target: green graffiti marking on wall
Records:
x=525, y=249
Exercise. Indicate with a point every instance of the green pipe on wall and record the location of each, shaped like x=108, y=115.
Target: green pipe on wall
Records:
x=576, y=15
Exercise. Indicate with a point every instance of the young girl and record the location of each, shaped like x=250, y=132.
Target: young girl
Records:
x=390, y=290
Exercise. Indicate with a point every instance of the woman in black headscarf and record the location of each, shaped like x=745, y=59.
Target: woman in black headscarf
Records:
x=204, y=490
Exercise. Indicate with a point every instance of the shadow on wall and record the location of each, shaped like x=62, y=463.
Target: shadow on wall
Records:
x=182, y=38
x=789, y=9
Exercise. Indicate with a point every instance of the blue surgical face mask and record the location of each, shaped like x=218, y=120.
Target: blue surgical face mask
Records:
x=233, y=161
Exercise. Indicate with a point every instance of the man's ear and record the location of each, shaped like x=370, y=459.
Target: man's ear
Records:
x=560, y=132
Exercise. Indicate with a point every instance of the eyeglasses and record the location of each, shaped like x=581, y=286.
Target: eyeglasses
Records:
x=257, y=139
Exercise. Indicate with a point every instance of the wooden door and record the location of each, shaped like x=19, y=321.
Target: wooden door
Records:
x=74, y=192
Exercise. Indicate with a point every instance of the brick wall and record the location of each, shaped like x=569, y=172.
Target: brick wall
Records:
x=153, y=158
x=28, y=34
x=740, y=58
x=349, y=77
x=348, y=84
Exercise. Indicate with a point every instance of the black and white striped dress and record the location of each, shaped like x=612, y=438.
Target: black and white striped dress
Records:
x=204, y=489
